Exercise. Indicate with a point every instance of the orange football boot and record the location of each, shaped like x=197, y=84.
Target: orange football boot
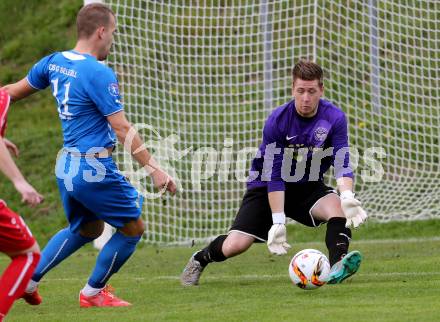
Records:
x=32, y=298
x=105, y=298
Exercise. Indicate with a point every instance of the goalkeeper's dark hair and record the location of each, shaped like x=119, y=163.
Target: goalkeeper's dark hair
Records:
x=91, y=17
x=307, y=70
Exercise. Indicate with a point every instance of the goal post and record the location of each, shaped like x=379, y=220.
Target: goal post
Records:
x=199, y=78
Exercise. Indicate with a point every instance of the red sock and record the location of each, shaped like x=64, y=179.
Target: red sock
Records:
x=15, y=278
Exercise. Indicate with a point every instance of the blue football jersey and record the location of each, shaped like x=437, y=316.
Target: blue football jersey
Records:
x=86, y=91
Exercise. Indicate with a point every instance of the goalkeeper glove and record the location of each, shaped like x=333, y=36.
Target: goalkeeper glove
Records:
x=276, y=241
x=352, y=209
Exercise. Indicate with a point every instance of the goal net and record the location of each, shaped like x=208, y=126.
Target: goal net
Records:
x=200, y=77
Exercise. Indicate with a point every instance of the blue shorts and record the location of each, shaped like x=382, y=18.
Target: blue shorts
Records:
x=94, y=189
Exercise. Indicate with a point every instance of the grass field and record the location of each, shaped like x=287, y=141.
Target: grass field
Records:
x=399, y=281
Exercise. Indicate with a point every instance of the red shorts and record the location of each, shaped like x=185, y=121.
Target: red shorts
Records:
x=15, y=236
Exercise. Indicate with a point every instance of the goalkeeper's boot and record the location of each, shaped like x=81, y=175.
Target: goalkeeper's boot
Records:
x=105, y=298
x=32, y=298
x=347, y=266
x=192, y=272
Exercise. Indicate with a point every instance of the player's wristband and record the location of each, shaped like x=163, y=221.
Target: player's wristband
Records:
x=279, y=218
x=347, y=194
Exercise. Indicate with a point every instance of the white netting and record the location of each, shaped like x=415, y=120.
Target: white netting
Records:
x=201, y=72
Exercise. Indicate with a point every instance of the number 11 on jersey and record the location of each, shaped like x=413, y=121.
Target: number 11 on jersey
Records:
x=63, y=108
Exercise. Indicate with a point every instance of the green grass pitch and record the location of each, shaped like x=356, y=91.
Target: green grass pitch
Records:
x=399, y=280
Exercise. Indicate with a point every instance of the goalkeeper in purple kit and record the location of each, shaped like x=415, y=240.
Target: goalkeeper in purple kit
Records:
x=301, y=140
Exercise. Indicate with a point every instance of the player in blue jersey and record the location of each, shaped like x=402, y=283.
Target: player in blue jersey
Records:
x=301, y=140
x=91, y=187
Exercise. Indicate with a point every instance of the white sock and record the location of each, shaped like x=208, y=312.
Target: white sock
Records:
x=90, y=291
x=32, y=286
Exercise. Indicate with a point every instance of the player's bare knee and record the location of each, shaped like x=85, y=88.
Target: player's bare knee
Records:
x=243, y=245
x=92, y=229
x=140, y=225
x=328, y=207
x=133, y=228
x=236, y=243
x=232, y=249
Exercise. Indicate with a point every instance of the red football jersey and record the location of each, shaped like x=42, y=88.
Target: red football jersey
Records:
x=14, y=234
x=4, y=106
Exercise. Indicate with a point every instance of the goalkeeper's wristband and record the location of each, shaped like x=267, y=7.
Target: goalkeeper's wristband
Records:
x=347, y=194
x=279, y=218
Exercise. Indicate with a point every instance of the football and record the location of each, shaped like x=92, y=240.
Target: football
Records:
x=309, y=269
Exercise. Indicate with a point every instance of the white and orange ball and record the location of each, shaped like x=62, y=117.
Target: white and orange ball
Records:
x=309, y=269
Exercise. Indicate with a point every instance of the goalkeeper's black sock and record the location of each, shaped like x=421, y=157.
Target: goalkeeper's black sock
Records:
x=337, y=239
x=211, y=253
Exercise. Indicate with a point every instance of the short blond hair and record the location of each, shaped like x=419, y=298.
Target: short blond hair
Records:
x=91, y=17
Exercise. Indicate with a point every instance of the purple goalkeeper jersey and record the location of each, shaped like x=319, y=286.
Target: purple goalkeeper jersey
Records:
x=299, y=149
